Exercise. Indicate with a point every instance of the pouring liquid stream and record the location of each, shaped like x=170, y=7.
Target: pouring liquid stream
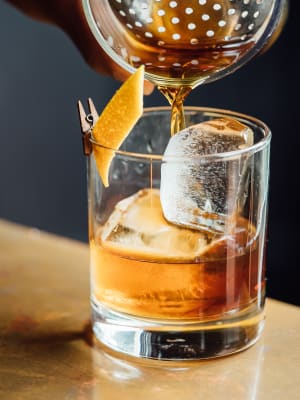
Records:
x=176, y=97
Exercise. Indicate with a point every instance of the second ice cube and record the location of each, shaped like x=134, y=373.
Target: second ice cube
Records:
x=200, y=192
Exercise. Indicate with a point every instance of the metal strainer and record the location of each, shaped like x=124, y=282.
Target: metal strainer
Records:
x=195, y=40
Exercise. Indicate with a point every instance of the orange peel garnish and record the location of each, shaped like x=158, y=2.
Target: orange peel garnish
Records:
x=116, y=121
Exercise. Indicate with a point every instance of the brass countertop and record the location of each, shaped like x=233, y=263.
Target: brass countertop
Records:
x=46, y=351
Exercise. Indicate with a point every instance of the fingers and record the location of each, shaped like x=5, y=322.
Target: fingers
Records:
x=148, y=87
x=79, y=31
x=121, y=74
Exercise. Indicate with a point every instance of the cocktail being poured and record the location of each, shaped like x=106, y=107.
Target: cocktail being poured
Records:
x=177, y=225
x=183, y=44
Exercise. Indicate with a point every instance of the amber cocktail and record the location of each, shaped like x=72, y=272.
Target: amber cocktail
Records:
x=179, y=273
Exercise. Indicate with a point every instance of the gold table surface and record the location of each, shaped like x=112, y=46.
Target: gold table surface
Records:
x=46, y=350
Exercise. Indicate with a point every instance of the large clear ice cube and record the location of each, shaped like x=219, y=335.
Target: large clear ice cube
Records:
x=202, y=192
x=137, y=226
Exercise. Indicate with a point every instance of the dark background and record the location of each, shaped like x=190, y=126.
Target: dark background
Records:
x=42, y=170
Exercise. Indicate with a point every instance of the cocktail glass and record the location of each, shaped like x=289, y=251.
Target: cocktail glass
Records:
x=164, y=291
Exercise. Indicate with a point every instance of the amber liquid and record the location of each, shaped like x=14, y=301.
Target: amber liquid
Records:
x=228, y=279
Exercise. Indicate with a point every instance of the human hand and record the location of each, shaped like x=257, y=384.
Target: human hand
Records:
x=69, y=16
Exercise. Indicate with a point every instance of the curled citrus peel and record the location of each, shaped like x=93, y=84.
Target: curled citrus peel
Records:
x=116, y=121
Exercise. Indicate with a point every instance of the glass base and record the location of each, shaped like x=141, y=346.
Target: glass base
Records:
x=163, y=340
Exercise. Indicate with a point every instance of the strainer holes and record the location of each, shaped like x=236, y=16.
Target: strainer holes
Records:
x=135, y=59
x=176, y=36
x=189, y=11
x=110, y=41
x=217, y=6
x=192, y=26
x=210, y=33
x=175, y=20
x=222, y=23
x=205, y=17
x=124, y=53
x=173, y=4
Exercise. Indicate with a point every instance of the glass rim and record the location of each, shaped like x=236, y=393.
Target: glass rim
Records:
x=217, y=112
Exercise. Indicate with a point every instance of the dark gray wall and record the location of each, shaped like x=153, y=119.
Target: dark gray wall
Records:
x=42, y=170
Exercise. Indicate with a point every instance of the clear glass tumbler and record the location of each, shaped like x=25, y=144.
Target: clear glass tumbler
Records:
x=172, y=291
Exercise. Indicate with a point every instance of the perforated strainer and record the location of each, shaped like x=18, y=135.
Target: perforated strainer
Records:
x=195, y=40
